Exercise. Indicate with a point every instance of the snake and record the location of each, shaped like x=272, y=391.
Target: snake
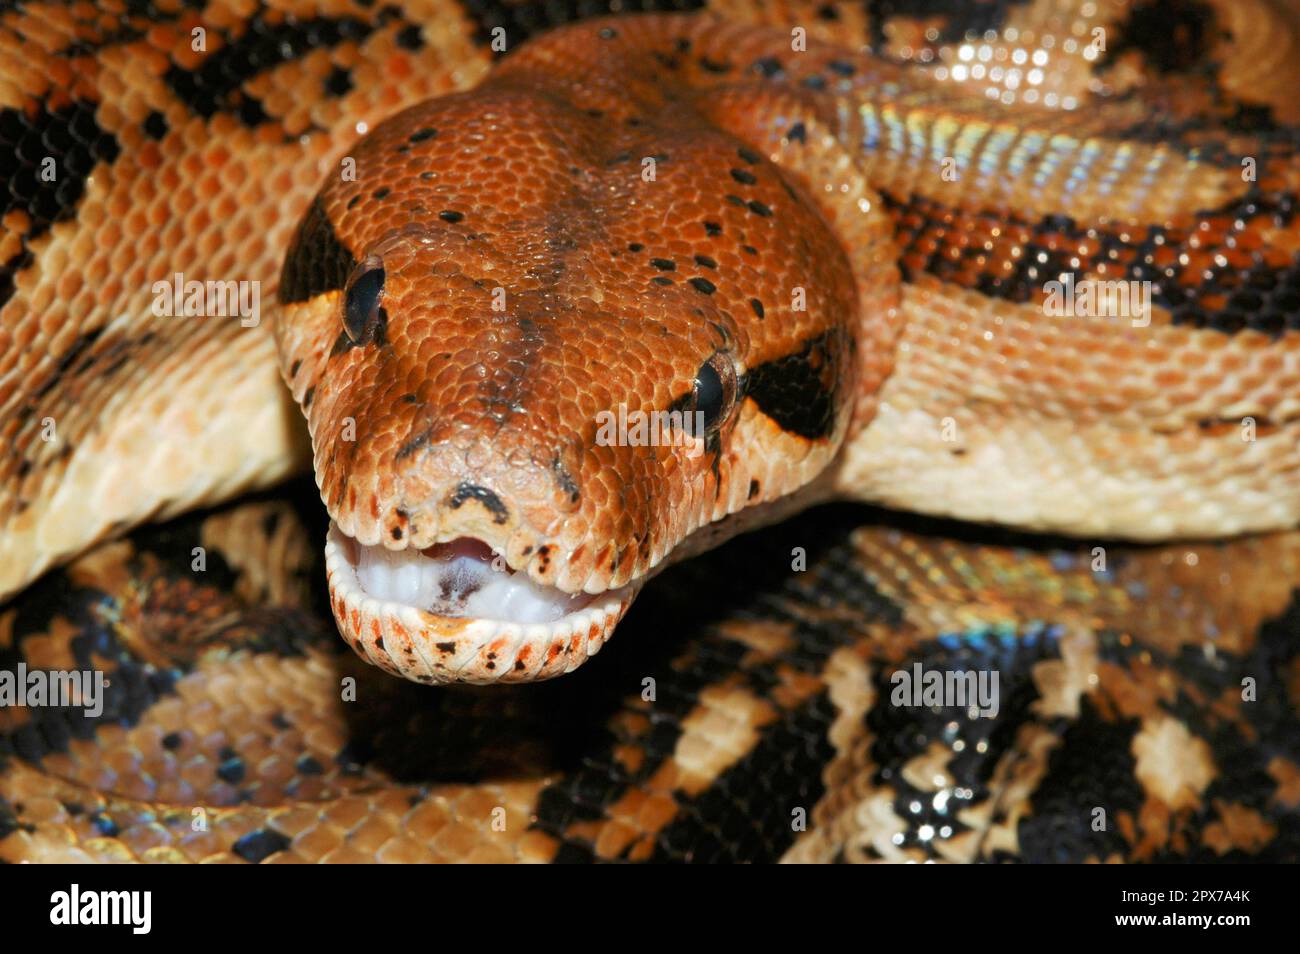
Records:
x=824, y=244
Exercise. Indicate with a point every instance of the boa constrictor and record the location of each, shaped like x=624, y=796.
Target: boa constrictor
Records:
x=830, y=239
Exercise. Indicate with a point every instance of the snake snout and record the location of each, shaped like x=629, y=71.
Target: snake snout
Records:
x=483, y=531
x=466, y=554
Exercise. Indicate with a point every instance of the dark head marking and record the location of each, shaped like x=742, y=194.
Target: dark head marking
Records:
x=798, y=391
x=317, y=261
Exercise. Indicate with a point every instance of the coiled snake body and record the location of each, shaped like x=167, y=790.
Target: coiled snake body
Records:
x=839, y=266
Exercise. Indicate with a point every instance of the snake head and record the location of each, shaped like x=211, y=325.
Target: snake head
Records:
x=532, y=379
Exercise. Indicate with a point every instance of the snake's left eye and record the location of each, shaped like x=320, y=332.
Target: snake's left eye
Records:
x=715, y=390
x=364, y=317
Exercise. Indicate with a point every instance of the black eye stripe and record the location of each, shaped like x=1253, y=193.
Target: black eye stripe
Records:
x=317, y=261
x=800, y=391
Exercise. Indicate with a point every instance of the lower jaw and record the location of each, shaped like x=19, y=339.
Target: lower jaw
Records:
x=434, y=649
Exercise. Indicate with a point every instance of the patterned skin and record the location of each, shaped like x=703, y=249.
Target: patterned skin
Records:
x=919, y=370
x=744, y=713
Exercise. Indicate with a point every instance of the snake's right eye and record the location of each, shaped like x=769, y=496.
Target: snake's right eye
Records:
x=364, y=317
x=715, y=390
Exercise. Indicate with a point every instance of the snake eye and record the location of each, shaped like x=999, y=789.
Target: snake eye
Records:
x=715, y=390
x=363, y=317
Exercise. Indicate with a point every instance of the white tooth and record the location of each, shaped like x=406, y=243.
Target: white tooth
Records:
x=368, y=575
x=409, y=573
x=428, y=586
x=396, y=579
x=525, y=606
x=534, y=607
x=502, y=597
x=388, y=572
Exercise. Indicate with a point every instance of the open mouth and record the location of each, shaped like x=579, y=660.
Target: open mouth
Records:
x=455, y=612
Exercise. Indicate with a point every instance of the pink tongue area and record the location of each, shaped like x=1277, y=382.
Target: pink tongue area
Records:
x=466, y=547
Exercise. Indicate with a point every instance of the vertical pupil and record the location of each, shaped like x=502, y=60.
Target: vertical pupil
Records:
x=708, y=394
x=362, y=306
